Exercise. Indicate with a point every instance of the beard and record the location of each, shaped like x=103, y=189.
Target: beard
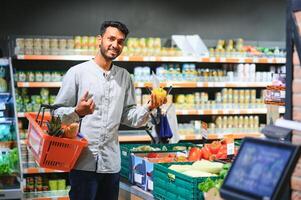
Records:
x=105, y=53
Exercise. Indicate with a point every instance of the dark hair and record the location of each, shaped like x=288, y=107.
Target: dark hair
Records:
x=120, y=26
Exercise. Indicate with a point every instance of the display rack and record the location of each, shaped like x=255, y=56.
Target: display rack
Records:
x=63, y=62
x=11, y=178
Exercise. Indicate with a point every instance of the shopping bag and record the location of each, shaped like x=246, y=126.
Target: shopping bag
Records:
x=165, y=131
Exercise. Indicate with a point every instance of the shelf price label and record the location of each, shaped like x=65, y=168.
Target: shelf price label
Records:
x=222, y=59
x=255, y=60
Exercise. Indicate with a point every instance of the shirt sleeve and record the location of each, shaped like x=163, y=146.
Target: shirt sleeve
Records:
x=133, y=115
x=67, y=97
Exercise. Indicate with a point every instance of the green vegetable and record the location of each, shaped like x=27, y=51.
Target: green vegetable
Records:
x=209, y=183
x=206, y=185
x=8, y=162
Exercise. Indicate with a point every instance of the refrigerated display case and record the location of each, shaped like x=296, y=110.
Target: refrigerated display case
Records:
x=10, y=169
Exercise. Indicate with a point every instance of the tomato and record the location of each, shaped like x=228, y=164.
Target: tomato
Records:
x=221, y=155
x=205, y=153
x=214, y=147
x=171, y=155
x=195, y=154
x=152, y=155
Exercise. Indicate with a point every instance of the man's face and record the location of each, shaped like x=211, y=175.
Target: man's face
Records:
x=111, y=43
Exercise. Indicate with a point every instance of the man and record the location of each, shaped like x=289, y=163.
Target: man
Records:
x=102, y=94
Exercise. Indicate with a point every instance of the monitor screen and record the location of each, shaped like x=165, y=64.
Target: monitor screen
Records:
x=259, y=168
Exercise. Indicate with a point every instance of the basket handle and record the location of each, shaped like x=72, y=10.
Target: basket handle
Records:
x=42, y=109
x=52, y=108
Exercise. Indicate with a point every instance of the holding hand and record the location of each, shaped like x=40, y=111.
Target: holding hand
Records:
x=156, y=101
x=85, y=106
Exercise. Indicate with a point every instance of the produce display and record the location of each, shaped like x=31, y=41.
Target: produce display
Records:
x=217, y=183
x=213, y=151
x=201, y=168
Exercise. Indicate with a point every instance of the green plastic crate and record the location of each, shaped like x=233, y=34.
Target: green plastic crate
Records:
x=172, y=185
x=126, y=150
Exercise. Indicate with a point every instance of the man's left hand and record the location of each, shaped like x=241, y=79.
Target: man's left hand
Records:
x=156, y=101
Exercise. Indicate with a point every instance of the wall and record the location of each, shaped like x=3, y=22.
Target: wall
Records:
x=212, y=19
x=296, y=178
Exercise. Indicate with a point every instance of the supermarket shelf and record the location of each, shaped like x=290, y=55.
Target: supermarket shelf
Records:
x=175, y=84
x=54, y=57
x=11, y=193
x=224, y=111
x=47, y=195
x=39, y=84
x=157, y=59
x=232, y=135
x=6, y=120
x=37, y=170
x=193, y=84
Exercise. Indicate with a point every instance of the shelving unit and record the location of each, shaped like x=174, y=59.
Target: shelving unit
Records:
x=11, y=170
x=59, y=62
x=158, y=59
x=165, y=84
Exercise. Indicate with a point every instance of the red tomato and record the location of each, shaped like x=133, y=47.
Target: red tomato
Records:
x=221, y=155
x=152, y=155
x=205, y=153
x=214, y=147
x=195, y=153
x=171, y=155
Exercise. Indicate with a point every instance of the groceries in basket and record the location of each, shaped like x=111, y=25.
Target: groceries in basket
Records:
x=57, y=129
x=49, y=140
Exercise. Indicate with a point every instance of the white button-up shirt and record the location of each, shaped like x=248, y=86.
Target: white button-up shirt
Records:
x=114, y=96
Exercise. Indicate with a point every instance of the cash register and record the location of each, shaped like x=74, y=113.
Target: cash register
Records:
x=261, y=170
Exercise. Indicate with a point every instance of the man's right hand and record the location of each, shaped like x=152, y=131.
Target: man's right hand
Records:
x=85, y=106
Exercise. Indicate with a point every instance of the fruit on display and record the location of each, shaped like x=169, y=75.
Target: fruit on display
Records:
x=195, y=153
x=213, y=151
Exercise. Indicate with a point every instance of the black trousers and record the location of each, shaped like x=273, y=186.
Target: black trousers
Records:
x=87, y=185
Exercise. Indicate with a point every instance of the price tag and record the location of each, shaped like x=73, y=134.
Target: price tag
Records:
x=150, y=185
x=255, y=60
x=230, y=148
x=2, y=106
x=199, y=84
x=138, y=178
x=223, y=59
x=125, y=58
x=241, y=60
x=185, y=112
x=212, y=59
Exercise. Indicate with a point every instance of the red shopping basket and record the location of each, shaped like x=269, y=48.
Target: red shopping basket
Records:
x=49, y=151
